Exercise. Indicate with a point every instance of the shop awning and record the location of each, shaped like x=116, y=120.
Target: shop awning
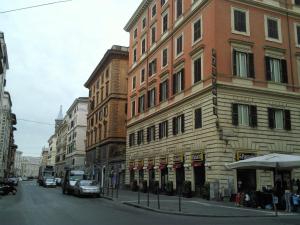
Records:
x=268, y=161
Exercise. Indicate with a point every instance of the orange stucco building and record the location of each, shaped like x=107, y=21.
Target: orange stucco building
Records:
x=211, y=82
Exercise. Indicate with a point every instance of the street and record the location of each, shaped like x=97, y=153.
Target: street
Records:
x=37, y=205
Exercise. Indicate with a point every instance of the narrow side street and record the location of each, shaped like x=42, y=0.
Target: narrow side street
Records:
x=34, y=205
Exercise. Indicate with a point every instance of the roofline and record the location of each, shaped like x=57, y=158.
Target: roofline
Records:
x=136, y=14
x=9, y=98
x=76, y=101
x=110, y=53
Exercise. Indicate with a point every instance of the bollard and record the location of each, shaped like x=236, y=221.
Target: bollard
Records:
x=158, y=202
x=117, y=193
x=107, y=190
x=139, y=194
x=112, y=192
x=148, y=197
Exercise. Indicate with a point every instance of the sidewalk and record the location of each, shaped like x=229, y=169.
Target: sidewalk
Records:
x=189, y=206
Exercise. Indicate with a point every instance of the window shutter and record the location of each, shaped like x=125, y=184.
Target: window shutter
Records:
x=159, y=131
x=182, y=79
x=174, y=126
x=198, y=118
x=154, y=131
x=271, y=118
x=234, y=61
x=251, y=65
x=284, y=76
x=148, y=134
x=150, y=68
x=160, y=92
x=253, y=116
x=167, y=128
x=139, y=105
x=182, y=123
x=154, y=96
x=243, y=21
x=268, y=69
x=174, y=84
x=235, y=115
x=148, y=99
x=287, y=120
x=154, y=66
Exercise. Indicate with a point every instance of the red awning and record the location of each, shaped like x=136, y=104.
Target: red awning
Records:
x=197, y=163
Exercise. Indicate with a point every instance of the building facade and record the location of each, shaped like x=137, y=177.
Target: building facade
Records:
x=211, y=82
x=61, y=147
x=44, y=156
x=76, y=134
x=106, y=119
x=30, y=166
x=18, y=164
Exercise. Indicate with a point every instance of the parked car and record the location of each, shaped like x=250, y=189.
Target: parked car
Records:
x=24, y=178
x=13, y=180
x=87, y=187
x=70, y=179
x=49, y=182
x=7, y=187
x=58, y=181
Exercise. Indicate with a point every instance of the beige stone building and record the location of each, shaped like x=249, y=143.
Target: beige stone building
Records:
x=106, y=119
x=61, y=147
x=212, y=82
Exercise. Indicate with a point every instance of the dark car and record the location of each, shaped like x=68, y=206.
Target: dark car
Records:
x=13, y=180
x=7, y=187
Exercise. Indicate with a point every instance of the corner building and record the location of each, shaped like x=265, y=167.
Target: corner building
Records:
x=106, y=118
x=211, y=82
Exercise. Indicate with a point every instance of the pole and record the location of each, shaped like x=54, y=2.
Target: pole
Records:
x=148, y=196
x=180, y=191
x=273, y=197
x=158, y=202
x=117, y=194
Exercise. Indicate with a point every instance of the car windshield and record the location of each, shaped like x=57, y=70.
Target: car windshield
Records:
x=75, y=177
x=88, y=183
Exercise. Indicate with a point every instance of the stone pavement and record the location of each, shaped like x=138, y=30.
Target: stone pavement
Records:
x=189, y=206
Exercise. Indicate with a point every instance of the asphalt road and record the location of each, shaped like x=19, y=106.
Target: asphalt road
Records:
x=34, y=205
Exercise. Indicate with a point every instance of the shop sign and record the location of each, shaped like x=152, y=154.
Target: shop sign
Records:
x=198, y=156
x=244, y=155
x=140, y=164
x=150, y=163
x=131, y=165
x=178, y=158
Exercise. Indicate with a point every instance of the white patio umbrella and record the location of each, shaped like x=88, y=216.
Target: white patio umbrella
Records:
x=275, y=161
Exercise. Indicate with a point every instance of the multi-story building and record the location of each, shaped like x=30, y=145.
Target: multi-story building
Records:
x=3, y=67
x=76, y=134
x=211, y=82
x=106, y=119
x=52, y=150
x=61, y=147
x=30, y=166
x=18, y=164
x=44, y=156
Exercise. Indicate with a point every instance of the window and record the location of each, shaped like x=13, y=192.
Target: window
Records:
x=272, y=29
x=153, y=35
x=143, y=46
x=163, y=90
x=134, y=55
x=131, y=139
x=133, y=108
x=144, y=23
x=153, y=10
x=197, y=69
x=276, y=70
x=142, y=76
x=178, y=81
x=244, y=115
x=141, y=106
x=178, y=124
x=163, y=2
x=243, y=64
x=165, y=22
x=163, y=129
x=197, y=32
x=106, y=89
x=297, y=34
x=198, y=118
x=240, y=21
x=179, y=9
x=164, y=58
x=152, y=67
x=279, y=119
x=297, y=2
x=133, y=83
x=135, y=33
x=150, y=133
x=151, y=98
x=179, y=46
x=140, y=137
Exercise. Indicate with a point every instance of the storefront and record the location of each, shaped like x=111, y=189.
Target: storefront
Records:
x=131, y=171
x=151, y=173
x=140, y=168
x=198, y=165
x=246, y=178
x=178, y=162
x=163, y=162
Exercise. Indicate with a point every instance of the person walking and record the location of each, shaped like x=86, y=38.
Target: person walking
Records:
x=287, y=198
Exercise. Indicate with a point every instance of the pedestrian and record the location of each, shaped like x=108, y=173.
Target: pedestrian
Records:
x=238, y=199
x=287, y=198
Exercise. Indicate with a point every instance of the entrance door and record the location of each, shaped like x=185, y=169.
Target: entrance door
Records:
x=246, y=180
x=199, y=177
x=180, y=177
x=164, y=178
x=282, y=181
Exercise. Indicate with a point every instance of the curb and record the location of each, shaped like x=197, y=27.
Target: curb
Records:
x=190, y=214
x=108, y=198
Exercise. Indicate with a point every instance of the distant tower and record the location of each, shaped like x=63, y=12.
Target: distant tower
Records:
x=59, y=119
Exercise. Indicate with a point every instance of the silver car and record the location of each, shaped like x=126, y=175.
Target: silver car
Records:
x=87, y=187
x=50, y=182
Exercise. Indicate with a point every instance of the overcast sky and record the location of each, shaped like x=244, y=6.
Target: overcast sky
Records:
x=52, y=51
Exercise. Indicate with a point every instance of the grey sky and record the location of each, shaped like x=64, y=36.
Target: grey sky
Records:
x=52, y=51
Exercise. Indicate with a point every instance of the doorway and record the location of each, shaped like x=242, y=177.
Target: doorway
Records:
x=151, y=179
x=164, y=178
x=199, y=177
x=180, y=177
x=246, y=180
